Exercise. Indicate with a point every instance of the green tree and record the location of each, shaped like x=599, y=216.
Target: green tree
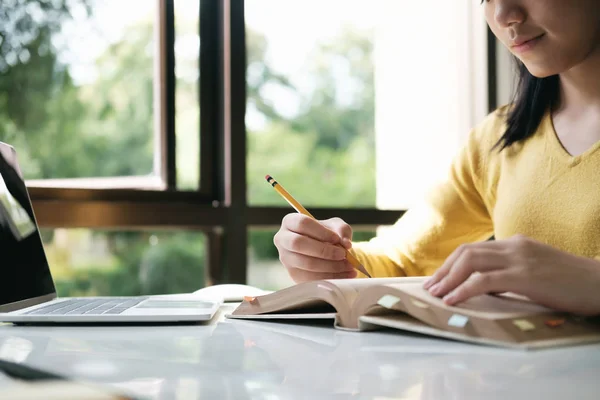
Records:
x=30, y=73
x=332, y=139
x=260, y=74
x=103, y=129
x=176, y=266
x=117, y=128
x=324, y=155
x=64, y=129
x=342, y=106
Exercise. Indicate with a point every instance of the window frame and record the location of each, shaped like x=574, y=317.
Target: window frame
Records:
x=219, y=207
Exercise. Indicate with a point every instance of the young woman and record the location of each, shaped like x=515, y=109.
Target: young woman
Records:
x=529, y=175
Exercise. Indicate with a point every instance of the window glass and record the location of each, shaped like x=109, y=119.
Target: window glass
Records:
x=86, y=262
x=351, y=103
x=187, y=96
x=76, y=86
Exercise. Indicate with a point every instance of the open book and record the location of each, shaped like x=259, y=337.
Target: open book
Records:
x=402, y=303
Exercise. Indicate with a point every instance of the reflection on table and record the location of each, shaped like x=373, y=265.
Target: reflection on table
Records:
x=249, y=359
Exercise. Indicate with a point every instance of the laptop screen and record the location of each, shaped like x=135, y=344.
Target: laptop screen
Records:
x=24, y=270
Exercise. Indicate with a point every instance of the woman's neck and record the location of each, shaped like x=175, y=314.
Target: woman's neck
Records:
x=580, y=86
x=577, y=117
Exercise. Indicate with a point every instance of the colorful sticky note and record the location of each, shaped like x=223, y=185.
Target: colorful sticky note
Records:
x=249, y=299
x=458, y=320
x=388, y=301
x=553, y=323
x=524, y=325
x=419, y=303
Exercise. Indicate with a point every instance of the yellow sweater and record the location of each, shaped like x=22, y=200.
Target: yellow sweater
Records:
x=535, y=188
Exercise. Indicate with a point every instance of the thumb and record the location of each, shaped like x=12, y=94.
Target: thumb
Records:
x=341, y=228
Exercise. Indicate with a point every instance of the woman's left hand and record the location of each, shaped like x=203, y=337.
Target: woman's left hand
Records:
x=521, y=265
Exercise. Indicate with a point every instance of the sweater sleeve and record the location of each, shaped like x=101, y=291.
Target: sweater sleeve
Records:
x=455, y=211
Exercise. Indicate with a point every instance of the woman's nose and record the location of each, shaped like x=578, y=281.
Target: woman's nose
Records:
x=509, y=12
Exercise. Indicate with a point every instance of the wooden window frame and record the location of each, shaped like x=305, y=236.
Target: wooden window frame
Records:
x=219, y=208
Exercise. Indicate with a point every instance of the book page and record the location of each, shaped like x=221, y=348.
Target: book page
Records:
x=352, y=287
x=316, y=297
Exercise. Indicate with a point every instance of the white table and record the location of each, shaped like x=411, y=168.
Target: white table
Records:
x=230, y=359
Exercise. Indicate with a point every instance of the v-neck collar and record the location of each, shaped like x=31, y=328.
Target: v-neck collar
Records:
x=559, y=150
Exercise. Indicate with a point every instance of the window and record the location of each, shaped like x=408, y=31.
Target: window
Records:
x=79, y=87
x=82, y=75
x=187, y=106
x=88, y=262
x=311, y=101
x=350, y=111
x=340, y=109
x=160, y=118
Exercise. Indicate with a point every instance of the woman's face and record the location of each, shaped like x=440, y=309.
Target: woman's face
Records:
x=548, y=36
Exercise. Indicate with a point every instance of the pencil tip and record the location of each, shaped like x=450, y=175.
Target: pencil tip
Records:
x=364, y=271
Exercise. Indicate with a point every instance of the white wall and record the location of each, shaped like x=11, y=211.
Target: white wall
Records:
x=430, y=82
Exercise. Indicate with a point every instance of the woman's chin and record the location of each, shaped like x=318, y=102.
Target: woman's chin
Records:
x=540, y=71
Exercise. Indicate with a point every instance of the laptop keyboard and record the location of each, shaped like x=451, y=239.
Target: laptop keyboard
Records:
x=113, y=305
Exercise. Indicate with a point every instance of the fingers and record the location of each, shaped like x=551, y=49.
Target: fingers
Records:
x=451, y=260
x=486, y=267
x=312, y=264
x=470, y=260
x=305, y=245
x=307, y=226
x=444, y=269
x=479, y=284
x=340, y=227
x=311, y=250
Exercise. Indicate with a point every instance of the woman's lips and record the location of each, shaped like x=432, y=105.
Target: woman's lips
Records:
x=522, y=44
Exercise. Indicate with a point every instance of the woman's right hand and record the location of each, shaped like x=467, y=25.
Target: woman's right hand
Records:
x=310, y=250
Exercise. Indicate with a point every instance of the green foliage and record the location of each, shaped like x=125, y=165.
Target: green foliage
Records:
x=176, y=266
x=117, y=131
x=95, y=281
x=62, y=130
x=260, y=74
x=261, y=243
x=324, y=155
x=28, y=68
x=173, y=264
x=342, y=107
x=315, y=175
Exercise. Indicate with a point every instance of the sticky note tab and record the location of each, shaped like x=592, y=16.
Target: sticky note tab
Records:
x=524, y=325
x=458, y=320
x=553, y=323
x=388, y=301
x=249, y=299
x=419, y=303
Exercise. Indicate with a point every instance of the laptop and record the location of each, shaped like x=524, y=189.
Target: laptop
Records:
x=27, y=291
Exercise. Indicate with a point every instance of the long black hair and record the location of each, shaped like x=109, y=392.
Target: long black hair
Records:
x=532, y=99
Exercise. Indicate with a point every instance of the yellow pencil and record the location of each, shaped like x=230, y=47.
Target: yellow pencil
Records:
x=298, y=207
